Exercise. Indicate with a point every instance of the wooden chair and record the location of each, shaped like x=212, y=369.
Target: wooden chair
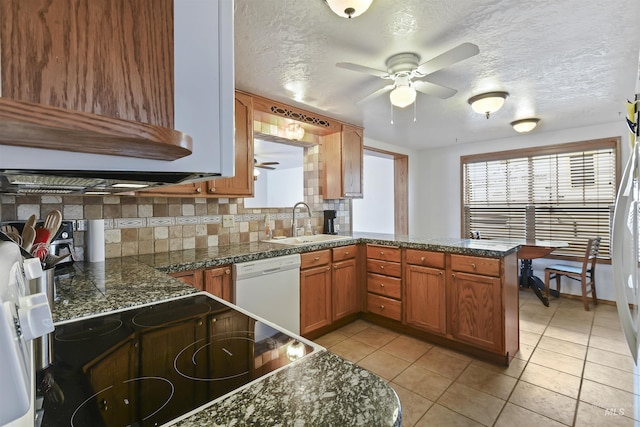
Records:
x=586, y=274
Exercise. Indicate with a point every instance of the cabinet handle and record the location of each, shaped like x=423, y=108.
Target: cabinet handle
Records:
x=422, y=259
x=473, y=266
x=317, y=258
x=227, y=271
x=381, y=307
x=346, y=253
x=381, y=253
x=440, y=273
x=335, y=267
x=382, y=285
x=212, y=189
x=382, y=267
x=198, y=190
x=453, y=275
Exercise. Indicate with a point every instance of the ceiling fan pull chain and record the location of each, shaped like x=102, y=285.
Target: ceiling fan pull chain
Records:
x=414, y=110
x=391, y=112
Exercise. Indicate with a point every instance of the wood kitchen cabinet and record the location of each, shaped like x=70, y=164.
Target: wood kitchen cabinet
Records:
x=217, y=281
x=315, y=290
x=482, y=303
x=384, y=281
x=425, y=292
x=241, y=184
x=344, y=283
x=342, y=161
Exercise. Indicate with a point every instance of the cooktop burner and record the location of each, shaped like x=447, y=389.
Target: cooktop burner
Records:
x=150, y=365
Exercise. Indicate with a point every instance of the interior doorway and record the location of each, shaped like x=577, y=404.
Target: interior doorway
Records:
x=384, y=208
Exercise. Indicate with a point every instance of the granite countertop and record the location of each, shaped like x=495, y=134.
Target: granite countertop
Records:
x=346, y=395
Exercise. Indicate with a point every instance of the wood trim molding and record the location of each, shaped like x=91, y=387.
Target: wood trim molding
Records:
x=26, y=124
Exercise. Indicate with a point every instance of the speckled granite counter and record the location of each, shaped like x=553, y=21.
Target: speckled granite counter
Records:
x=191, y=259
x=322, y=390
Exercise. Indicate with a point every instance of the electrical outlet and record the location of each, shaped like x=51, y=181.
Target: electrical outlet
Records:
x=228, y=221
x=80, y=225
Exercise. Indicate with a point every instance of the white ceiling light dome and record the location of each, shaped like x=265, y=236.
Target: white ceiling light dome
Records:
x=487, y=103
x=402, y=96
x=525, y=125
x=349, y=8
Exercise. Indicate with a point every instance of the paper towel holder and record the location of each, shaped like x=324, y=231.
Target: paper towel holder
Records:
x=95, y=249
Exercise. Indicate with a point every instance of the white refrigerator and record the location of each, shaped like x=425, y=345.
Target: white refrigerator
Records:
x=625, y=239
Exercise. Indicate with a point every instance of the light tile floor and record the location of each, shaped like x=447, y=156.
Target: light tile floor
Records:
x=574, y=368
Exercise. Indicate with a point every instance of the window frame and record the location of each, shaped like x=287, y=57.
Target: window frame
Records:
x=562, y=148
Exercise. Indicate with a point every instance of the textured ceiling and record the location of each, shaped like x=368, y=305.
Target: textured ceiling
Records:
x=570, y=63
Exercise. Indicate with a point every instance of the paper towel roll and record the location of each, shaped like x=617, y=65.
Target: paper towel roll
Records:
x=95, y=240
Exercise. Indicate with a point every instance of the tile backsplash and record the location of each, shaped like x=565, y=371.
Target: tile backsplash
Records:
x=144, y=225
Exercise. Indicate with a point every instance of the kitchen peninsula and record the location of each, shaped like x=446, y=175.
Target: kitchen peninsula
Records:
x=346, y=391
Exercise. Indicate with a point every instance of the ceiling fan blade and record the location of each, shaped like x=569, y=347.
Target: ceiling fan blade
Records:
x=433, y=89
x=450, y=57
x=375, y=94
x=269, y=163
x=262, y=166
x=363, y=69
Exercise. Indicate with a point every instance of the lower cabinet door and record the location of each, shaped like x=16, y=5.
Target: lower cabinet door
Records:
x=425, y=299
x=217, y=281
x=344, y=289
x=315, y=298
x=476, y=310
x=384, y=306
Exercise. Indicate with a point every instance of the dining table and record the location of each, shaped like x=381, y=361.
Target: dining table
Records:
x=531, y=249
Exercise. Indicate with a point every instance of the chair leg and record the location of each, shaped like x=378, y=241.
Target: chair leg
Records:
x=547, y=275
x=594, y=296
x=585, y=301
x=558, y=277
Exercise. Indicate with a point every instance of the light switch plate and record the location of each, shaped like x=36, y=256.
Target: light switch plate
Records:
x=228, y=221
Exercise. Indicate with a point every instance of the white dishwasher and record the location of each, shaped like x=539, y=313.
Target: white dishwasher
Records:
x=270, y=288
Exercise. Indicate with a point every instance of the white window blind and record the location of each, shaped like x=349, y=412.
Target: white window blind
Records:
x=564, y=192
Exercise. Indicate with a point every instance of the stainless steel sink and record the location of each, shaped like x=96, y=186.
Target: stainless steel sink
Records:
x=306, y=240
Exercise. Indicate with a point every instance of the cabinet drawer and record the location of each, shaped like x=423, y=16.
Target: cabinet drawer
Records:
x=477, y=265
x=315, y=259
x=386, y=253
x=344, y=252
x=384, y=267
x=425, y=258
x=383, y=285
x=384, y=306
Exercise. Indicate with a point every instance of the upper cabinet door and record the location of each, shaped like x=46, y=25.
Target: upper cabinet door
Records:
x=105, y=57
x=342, y=162
x=241, y=184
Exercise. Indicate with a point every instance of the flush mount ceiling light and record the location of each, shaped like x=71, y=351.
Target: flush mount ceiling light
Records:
x=404, y=94
x=487, y=103
x=294, y=131
x=525, y=125
x=349, y=8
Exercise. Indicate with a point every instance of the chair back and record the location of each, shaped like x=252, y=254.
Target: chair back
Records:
x=591, y=255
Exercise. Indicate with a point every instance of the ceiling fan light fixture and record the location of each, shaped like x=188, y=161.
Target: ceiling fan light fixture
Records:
x=525, y=125
x=349, y=8
x=294, y=131
x=402, y=96
x=487, y=103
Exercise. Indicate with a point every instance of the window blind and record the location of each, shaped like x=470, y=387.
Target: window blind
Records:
x=563, y=192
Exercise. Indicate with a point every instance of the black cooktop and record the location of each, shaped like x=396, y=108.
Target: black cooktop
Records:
x=149, y=365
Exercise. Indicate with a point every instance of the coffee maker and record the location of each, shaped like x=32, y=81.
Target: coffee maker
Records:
x=62, y=244
x=329, y=222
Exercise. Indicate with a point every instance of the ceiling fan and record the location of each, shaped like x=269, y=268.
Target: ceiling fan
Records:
x=408, y=75
x=264, y=165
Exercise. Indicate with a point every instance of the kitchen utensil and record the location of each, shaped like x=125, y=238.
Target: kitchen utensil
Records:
x=28, y=236
x=52, y=223
x=42, y=236
x=12, y=233
x=29, y=232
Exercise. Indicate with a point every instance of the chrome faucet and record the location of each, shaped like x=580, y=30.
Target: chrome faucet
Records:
x=293, y=216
